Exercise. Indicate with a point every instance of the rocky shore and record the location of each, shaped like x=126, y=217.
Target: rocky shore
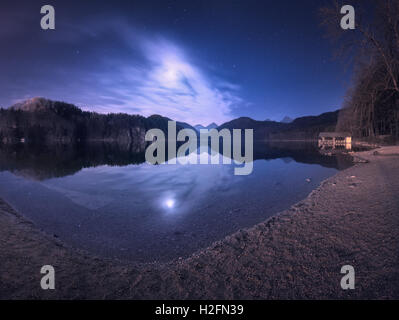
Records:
x=352, y=218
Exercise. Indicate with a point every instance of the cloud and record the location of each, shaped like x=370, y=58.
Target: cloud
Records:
x=168, y=83
x=109, y=66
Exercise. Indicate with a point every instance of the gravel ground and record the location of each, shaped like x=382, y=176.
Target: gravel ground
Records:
x=352, y=218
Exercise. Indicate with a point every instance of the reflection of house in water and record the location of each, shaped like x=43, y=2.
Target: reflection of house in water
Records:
x=335, y=140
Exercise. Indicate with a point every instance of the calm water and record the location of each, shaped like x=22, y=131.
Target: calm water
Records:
x=105, y=199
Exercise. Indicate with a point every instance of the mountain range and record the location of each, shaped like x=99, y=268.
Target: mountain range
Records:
x=40, y=120
x=303, y=128
x=213, y=125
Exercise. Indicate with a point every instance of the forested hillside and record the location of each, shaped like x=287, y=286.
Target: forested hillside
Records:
x=40, y=120
x=304, y=128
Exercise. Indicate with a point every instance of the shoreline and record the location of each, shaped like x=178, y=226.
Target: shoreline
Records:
x=351, y=218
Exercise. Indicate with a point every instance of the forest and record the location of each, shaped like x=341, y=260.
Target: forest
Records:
x=43, y=121
x=40, y=120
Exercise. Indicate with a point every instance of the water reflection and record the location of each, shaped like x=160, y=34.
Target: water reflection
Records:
x=41, y=162
x=104, y=198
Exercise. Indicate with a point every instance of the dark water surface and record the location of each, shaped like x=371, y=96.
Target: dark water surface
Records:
x=104, y=198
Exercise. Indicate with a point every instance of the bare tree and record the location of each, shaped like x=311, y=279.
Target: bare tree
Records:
x=371, y=106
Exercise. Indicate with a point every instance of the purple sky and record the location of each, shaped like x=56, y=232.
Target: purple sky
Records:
x=193, y=61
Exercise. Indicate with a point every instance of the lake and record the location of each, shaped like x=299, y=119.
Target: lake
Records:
x=105, y=199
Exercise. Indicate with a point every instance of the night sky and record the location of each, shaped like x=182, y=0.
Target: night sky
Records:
x=194, y=61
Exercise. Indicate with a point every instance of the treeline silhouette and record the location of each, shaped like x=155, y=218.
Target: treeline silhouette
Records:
x=303, y=128
x=42, y=121
x=42, y=162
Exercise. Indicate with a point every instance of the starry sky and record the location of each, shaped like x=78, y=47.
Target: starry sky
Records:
x=190, y=60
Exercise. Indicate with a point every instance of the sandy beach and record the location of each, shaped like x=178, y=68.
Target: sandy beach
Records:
x=352, y=218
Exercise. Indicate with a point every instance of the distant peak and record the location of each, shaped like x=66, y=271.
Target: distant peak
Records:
x=213, y=125
x=245, y=119
x=287, y=119
x=43, y=104
x=33, y=104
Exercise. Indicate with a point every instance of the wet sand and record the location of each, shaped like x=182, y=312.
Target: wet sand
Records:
x=352, y=218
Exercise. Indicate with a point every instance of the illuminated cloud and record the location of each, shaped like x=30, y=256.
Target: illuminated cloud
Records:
x=167, y=83
x=109, y=66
